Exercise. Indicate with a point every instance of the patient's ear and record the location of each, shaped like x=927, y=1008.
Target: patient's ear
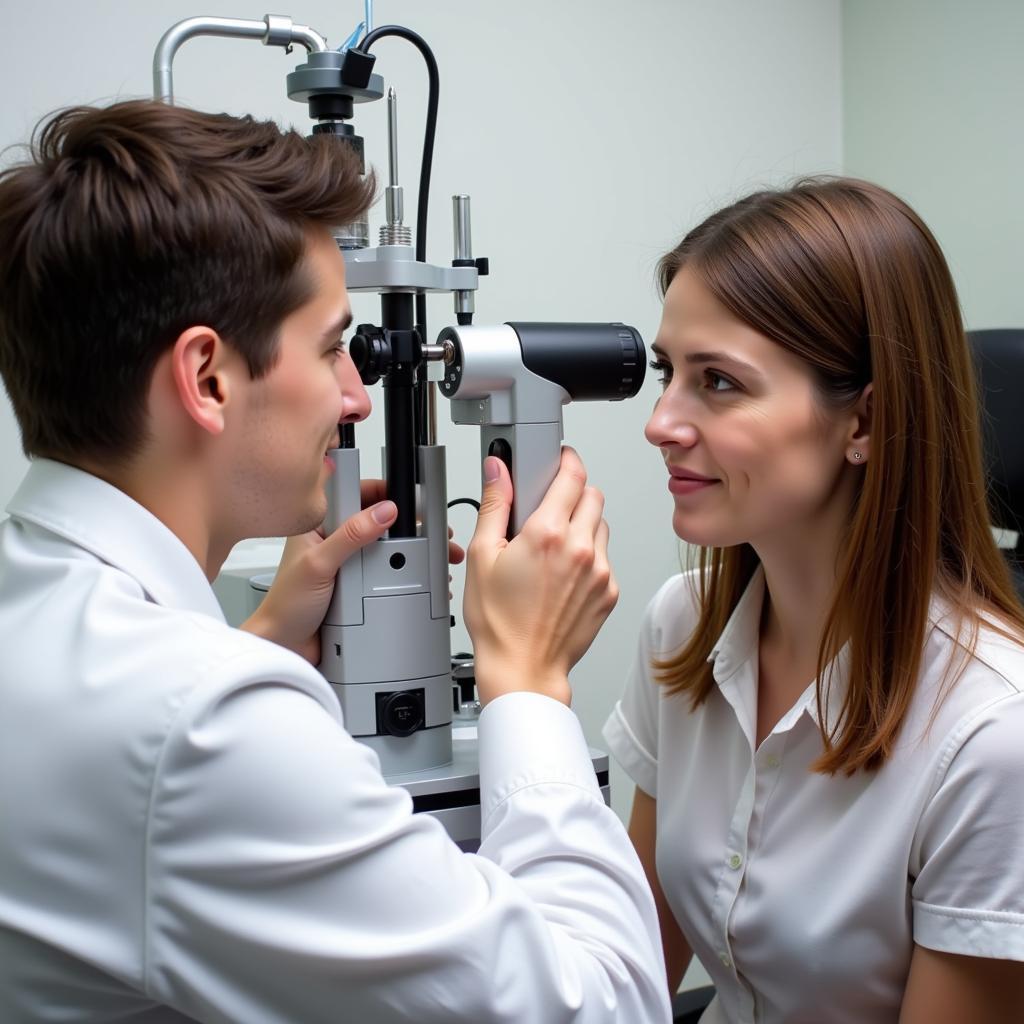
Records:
x=201, y=367
x=858, y=439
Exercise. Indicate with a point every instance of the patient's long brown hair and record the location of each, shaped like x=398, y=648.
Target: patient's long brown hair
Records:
x=846, y=276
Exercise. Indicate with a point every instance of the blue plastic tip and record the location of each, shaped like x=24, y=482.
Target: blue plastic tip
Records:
x=352, y=39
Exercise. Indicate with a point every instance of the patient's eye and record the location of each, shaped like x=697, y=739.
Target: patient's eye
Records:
x=663, y=368
x=715, y=381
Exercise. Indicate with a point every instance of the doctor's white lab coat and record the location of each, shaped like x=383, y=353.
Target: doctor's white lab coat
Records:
x=188, y=832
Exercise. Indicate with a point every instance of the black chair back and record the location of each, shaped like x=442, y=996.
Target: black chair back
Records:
x=999, y=360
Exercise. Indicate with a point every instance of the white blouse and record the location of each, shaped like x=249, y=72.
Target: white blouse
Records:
x=803, y=894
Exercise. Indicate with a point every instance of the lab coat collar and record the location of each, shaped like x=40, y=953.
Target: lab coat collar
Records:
x=97, y=516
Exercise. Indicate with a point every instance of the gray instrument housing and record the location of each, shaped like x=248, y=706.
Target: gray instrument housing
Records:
x=387, y=628
x=489, y=387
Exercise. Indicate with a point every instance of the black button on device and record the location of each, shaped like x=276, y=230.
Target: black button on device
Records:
x=500, y=447
x=503, y=450
x=400, y=713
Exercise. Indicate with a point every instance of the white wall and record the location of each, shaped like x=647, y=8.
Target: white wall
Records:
x=590, y=135
x=934, y=109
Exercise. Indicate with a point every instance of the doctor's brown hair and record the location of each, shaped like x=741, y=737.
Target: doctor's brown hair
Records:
x=846, y=276
x=129, y=224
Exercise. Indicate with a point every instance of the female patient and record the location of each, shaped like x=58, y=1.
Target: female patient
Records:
x=825, y=720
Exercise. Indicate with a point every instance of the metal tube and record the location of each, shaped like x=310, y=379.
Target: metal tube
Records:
x=431, y=435
x=392, y=137
x=308, y=38
x=465, y=303
x=433, y=353
x=462, y=229
x=393, y=195
x=267, y=31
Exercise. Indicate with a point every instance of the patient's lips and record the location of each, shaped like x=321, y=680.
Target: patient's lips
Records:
x=686, y=481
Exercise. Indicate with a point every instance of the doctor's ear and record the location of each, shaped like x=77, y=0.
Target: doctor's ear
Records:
x=201, y=365
x=858, y=442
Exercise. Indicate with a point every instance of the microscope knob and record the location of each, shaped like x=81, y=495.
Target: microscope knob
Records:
x=401, y=713
x=370, y=352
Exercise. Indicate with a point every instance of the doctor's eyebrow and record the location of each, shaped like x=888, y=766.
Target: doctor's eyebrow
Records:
x=338, y=328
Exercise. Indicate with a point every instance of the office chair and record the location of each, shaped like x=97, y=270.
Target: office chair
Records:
x=689, y=1005
x=999, y=361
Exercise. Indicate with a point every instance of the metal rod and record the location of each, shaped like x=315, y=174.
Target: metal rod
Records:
x=392, y=137
x=308, y=38
x=394, y=199
x=465, y=301
x=463, y=230
x=274, y=30
x=431, y=435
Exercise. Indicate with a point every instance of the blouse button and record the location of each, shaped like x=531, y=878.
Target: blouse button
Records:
x=724, y=957
x=772, y=761
x=735, y=861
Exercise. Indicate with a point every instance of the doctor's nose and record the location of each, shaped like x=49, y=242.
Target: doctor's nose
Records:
x=355, y=400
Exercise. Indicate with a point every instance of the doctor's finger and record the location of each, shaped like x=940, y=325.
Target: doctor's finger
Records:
x=586, y=517
x=566, y=489
x=355, y=533
x=495, y=506
x=602, y=568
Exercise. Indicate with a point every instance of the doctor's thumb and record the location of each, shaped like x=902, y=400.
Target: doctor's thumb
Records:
x=357, y=531
x=495, y=502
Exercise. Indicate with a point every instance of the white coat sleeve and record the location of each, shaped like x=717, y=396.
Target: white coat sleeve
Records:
x=287, y=882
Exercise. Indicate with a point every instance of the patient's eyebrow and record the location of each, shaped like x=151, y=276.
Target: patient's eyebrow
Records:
x=697, y=358
x=723, y=357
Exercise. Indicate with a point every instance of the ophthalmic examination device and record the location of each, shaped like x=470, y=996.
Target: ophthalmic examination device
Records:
x=385, y=642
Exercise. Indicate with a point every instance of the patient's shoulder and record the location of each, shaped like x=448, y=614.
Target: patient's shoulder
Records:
x=673, y=612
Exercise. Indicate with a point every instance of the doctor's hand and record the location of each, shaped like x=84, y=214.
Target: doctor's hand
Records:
x=377, y=490
x=293, y=610
x=534, y=605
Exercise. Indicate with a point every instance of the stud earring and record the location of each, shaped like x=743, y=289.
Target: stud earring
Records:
x=857, y=456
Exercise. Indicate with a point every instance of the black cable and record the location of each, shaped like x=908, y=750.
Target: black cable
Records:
x=464, y=501
x=428, y=147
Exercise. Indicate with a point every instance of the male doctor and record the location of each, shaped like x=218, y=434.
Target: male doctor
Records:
x=187, y=832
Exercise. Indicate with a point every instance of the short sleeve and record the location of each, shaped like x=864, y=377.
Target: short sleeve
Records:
x=631, y=731
x=968, y=896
